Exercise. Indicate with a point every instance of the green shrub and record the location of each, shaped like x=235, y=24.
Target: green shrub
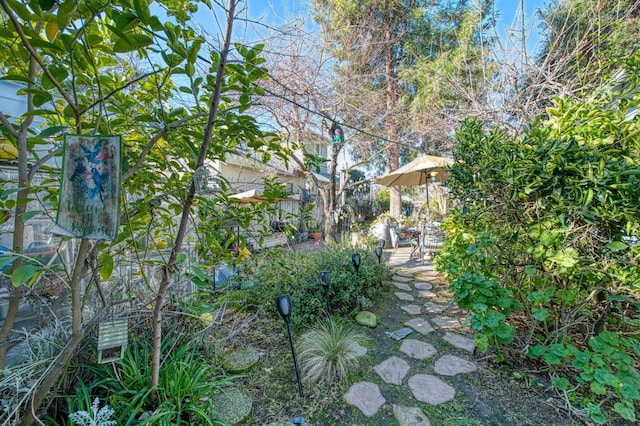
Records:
x=184, y=391
x=296, y=273
x=543, y=247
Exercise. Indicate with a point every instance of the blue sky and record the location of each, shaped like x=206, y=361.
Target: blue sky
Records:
x=279, y=12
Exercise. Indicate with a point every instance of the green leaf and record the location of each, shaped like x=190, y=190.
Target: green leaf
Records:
x=626, y=410
x=537, y=351
x=541, y=314
x=605, y=377
x=53, y=130
x=20, y=10
x=106, y=265
x=561, y=383
x=142, y=10
x=566, y=257
x=28, y=215
x=597, y=388
x=617, y=246
x=482, y=341
x=596, y=414
x=629, y=391
x=23, y=274
x=46, y=4
x=6, y=260
x=14, y=77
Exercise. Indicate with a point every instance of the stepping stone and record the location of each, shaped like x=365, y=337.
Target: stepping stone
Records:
x=367, y=319
x=446, y=322
x=240, y=360
x=232, y=405
x=401, y=279
x=410, y=416
x=392, y=370
x=421, y=285
x=366, y=396
x=450, y=365
x=434, y=308
x=427, y=294
x=460, y=342
x=411, y=309
x=403, y=274
x=417, y=349
x=428, y=276
x=403, y=286
x=420, y=325
x=404, y=296
x=430, y=389
x=358, y=350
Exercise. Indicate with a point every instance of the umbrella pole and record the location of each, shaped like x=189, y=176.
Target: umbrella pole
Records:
x=426, y=187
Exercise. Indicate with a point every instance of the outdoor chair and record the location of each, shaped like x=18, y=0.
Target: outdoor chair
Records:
x=396, y=241
x=431, y=239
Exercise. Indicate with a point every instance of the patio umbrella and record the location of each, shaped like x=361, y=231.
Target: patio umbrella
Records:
x=422, y=170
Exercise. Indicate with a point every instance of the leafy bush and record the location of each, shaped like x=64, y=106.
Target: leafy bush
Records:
x=543, y=248
x=296, y=273
x=327, y=353
x=184, y=391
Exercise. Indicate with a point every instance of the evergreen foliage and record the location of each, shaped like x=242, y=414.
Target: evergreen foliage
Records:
x=544, y=246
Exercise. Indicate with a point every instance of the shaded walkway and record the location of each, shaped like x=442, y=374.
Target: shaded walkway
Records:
x=419, y=343
x=424, y=367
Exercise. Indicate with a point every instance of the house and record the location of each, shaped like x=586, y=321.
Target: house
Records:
x=245, y=173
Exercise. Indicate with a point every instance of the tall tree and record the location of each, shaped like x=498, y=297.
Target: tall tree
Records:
x=376, y=42
x=583, y=43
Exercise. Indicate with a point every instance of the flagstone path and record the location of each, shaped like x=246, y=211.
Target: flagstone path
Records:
x=416, y=368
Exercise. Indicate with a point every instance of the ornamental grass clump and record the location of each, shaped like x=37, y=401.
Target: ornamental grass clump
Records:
x=329, y=352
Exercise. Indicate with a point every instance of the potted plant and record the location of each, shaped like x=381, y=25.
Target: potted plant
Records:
x=314, y=232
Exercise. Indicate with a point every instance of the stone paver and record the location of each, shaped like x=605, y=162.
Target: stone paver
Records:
x=412, y=309
x=410, y=416
x=428, y=276
x=366, y=396
x=427, y=294
x=413, y=283
x=450, y=365
x=403, y=286
x=404, y=296
x=358, y=350
x=446, y=322
x=392, y=370
x=430, y=389
x=417, y=349
x=460, y=342
x=420, y=325
x=421, y=285
x=434, y=308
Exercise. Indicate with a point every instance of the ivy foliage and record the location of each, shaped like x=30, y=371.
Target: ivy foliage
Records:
x=544, y=246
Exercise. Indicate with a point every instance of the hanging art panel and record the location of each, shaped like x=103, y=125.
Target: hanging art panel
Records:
x=89, y=187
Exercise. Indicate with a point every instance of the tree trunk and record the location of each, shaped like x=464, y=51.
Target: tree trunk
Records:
x=18, y=225
x=393, y=133
x=184, y=220
x=54, y=372
x=330, y=224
